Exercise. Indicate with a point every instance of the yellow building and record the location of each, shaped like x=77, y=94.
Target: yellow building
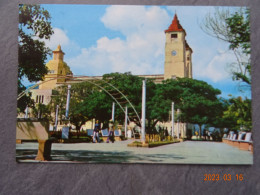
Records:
x=178, y=53
x=57, y=68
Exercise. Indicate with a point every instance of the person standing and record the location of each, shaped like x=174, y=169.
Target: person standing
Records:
x=111, y=132
x=96, y=132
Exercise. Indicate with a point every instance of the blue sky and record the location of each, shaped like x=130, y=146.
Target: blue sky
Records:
x=99, y=39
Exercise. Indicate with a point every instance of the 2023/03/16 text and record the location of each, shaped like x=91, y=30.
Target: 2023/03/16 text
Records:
x=225, y=177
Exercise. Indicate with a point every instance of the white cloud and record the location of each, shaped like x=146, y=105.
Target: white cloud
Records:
x=135, y=19
x=142, y=50
x=217, y=69
x=59, y=37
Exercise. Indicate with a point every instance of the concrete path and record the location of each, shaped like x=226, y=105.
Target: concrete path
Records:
x=189, y=152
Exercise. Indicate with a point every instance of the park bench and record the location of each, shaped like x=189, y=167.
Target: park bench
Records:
x=117, y=134
x=104, y=133
x=236, y=142
x=247, y=143
x=232, y=138
x=243, y=141
x=90, y=132
x=226, y=138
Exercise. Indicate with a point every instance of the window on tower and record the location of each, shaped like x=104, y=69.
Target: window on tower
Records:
x=174, y=36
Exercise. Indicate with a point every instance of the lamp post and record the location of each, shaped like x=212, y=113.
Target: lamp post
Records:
x=172, y=119
x=178, y=132
x=143, y=111
x=126, y=121
x=56, y=118
x=113, y=112
x=68, y=103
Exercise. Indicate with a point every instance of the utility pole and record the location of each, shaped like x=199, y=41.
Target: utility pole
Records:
x=143, y=111
x=172, y=119
x=113, y=112
x=178, y=132
x=126, y=121
x=68, y=103
x=56, y=118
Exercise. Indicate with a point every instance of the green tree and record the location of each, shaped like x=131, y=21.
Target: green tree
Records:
x=233, y=28
x=239, y=27
x=131, y=86
x=79, y=92
x=238, y=114
x=197, y=101
x=42, y=111
x=34, y=24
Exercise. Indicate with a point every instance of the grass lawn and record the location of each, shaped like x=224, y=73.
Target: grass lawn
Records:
x=151, y=144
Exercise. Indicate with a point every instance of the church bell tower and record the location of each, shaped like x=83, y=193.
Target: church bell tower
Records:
x=58, y=69
x=177, y=52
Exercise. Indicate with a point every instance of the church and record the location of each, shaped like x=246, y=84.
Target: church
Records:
x=177, y=63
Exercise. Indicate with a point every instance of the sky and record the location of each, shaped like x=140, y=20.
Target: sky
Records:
x=99, y=39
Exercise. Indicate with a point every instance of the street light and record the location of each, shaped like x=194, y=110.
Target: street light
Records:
x=178, y=132
x=68, y=103
x=113, y=112
x=126, y=121
x=172, y=119
x=143, y=111
x=56, y=118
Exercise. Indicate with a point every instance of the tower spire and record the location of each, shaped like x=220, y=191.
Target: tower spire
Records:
x=58, y=53
x=175, y=25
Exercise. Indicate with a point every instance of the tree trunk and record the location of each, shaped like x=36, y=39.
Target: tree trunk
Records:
x=200, y=131
x=78, y=131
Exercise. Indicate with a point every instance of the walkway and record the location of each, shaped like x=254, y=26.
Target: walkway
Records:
x=189, y=152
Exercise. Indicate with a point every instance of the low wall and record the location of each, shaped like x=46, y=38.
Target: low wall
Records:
x=242, y=145
x=29, y=129
x=32, y=129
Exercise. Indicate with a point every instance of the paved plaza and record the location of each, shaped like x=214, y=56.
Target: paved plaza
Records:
x=188, y=152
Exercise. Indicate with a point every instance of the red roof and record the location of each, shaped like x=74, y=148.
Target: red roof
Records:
x=175, y=26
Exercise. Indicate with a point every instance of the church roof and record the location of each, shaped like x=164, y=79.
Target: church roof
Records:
x=175, y=25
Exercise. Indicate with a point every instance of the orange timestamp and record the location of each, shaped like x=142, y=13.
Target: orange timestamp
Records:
x=225, y=177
